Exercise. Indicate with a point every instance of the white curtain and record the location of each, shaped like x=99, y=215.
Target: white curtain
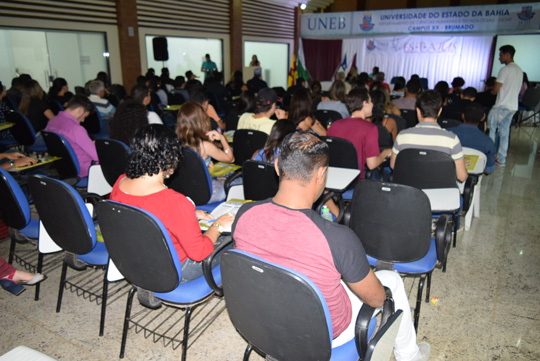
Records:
x=430, y=56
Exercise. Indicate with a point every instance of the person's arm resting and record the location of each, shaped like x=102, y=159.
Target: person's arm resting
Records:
x=369, y=290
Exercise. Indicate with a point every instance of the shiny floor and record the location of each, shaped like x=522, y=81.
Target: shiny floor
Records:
x=488, y=305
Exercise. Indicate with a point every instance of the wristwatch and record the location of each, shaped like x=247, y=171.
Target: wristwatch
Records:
x=12, y=163
x=219, y=227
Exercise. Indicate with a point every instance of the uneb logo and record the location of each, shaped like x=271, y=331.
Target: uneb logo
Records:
x=371, y=44
x=526, y=13
x=367, y=25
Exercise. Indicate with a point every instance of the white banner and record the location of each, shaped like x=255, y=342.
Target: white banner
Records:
x=516, y=18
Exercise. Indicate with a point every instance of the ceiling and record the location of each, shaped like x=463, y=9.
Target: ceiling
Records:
x=312, y=5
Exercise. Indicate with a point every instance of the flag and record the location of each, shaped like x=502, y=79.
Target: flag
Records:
x=293, y=72
x=342, y=67
x=302, y=71
x=353, y=65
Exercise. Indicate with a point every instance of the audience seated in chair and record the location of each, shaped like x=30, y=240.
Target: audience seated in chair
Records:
x=155, y=152
x=103, y=106
x=141, y=94
x=412, y=89
x=68, y=124
x=427, y=133
x=301, y=113
x=472, y=137
x=337, y=99
x=130, y=116
x=342, y=274
x=34, y=106
x=266, y=107
x=361, y=132
x=193, y=129
x=457, y=107
x=280, y=129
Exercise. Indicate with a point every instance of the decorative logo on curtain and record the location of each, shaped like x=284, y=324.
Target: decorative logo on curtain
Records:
x=415, y=45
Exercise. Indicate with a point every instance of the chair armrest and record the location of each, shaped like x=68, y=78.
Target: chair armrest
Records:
x=227, y=185
x=207, y=267
x=443, y=237
x=93, y=199
x=468, y=192
x=325, y=197
x=364, y=318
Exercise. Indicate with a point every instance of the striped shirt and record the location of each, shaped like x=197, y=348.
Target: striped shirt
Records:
x=429, y=135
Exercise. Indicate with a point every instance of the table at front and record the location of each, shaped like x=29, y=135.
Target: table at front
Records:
x=339, y=179
x=443, y=200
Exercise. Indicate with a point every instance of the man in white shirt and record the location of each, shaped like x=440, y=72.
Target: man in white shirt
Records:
x=141, y=94
x=507, y=88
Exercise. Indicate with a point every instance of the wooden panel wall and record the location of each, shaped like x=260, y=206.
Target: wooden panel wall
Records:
x=267, y=20
x=90, y=11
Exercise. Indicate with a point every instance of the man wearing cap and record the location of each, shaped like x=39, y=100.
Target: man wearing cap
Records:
x=266, y=107
x=256, y=83
x=208, y=67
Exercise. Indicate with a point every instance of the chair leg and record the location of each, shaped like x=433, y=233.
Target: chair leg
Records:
x=428, y=286
x=12, y=250
x=39, y=269
x=186, y=333
x=247, y=352
x=129, y=303
x=62, y=285
x=454, y=220
x=103, y=304
x=418, y=301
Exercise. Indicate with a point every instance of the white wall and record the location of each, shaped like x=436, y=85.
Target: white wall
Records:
x=274, y=59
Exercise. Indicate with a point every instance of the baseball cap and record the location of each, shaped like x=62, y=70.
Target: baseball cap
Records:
x=268, y=96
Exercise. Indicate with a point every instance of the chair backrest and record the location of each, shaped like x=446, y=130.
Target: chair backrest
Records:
x=531, y=98
x=93, y=122
x=271, y=305
x=260, y=180
x=58, y=146
x=140, y=246
x=14, y=208
x=482, y=158
x=410, y=117
x=23, y=131
x=246, y=142
x=393, y=221
x=342, y=153
x=448, y=123
x=63, y=214
x=424, y=169
x=400, y=122
x=327, y=117
x=191, y=178
x=385, y=138
x=113, y=157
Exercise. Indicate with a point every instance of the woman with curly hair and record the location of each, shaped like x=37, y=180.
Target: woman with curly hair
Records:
x=155, y=152
x=33, y=106
x=193, y=129
x=130, y=116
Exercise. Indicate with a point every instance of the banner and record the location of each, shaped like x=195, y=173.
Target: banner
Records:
x=515, y=18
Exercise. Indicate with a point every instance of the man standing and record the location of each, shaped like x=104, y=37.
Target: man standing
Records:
x=361, y=133
x=68, y=124
x=427, y=134
x=329, y=254
x=507, y=88
x=208, y=67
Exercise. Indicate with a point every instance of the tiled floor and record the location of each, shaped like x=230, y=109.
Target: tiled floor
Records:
x=488, y=306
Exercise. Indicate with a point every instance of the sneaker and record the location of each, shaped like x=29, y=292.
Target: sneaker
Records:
x=425, y=352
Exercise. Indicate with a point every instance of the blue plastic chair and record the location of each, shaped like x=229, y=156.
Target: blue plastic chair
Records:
x=68, y=166
x=393, y=221
x=24, y=133
x=142, y=250
x=283, y=314
x=113, y=156
x=68, y=221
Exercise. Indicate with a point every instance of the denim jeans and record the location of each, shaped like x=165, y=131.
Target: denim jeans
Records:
x=192, y=270
x=499, y=121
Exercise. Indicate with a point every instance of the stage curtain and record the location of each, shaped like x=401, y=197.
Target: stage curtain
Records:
x=405, y=55
x=322, y=57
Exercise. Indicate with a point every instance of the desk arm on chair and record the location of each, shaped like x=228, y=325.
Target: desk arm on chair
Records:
x=325, y=198
x=207, y=267
x=364, y=318
x=468, y=192
x=227, y=185
x=443, y=238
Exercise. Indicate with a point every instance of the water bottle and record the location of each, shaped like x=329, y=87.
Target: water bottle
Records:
x=326, y=214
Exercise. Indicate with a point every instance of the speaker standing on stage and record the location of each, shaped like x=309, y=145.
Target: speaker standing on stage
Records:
x=208, y=67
